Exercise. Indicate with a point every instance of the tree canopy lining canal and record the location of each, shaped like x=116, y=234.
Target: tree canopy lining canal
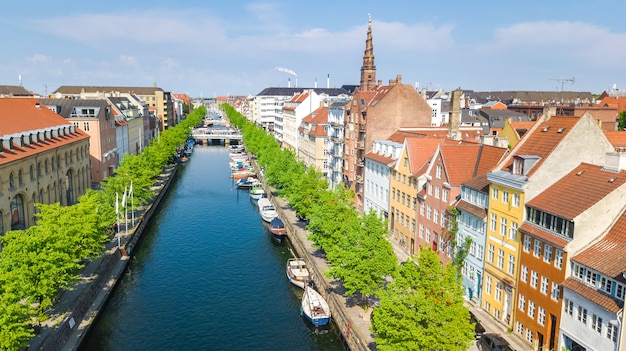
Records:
x=423, y=306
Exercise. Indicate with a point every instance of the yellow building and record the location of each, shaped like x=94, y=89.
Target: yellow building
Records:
x=552, y=148
x=407, y=178
x=43, y=159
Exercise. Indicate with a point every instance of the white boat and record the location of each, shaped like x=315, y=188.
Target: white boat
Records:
x=247, y=183
x=314, y=307
x=257, y=192
x=267, y=210
x=297, y=272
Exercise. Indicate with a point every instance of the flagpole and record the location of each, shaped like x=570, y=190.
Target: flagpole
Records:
x=132, y=203
x=125, y=211
x=117, y=218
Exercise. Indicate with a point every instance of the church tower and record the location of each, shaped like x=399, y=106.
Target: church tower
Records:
x=368, y=70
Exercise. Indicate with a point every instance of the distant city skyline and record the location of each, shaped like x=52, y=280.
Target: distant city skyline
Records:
x=206, y=49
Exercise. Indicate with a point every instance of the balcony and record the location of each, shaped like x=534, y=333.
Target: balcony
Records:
x=360, y=162
x=360, y=145
x=359, y=179
x=361, y=128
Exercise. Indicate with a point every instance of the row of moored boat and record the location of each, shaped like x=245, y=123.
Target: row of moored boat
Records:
x=313, y=305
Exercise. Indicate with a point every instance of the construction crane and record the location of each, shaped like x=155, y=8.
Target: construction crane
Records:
x=564, y=80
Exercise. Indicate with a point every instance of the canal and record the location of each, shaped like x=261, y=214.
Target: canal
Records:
x=207, y=276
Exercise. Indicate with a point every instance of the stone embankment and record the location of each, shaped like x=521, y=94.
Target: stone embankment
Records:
x=75, y=310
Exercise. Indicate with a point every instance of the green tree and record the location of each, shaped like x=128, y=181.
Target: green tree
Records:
x=422, y=309
x=621, y=125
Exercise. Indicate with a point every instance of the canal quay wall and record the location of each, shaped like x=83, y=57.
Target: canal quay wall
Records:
x=352, y=320
x=76, y=309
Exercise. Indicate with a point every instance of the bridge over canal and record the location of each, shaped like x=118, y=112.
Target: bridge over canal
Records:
x=206, y=136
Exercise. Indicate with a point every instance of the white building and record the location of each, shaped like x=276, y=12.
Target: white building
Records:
x=378, y=163
x=336, y=134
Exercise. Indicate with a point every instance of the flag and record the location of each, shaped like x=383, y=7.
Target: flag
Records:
x=124, y=198
x=117, y=206
x=130, y=191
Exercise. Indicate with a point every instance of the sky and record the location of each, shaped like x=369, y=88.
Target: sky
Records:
x=206, y=48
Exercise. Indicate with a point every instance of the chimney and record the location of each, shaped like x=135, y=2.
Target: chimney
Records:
x=398, y=79
x=328, y=82
x=288, y=82
x=454, y=125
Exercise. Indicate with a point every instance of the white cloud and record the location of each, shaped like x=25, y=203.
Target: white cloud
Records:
x=39, y=58
x=127, y=59
x=169, y=63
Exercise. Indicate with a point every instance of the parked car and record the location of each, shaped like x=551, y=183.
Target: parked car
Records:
x=493, y=342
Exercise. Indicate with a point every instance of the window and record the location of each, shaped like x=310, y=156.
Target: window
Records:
x=490, y=253
x=547, y=253
x=524, y=274
x=526, y=243
x=505, y=196
x=511, y=265
x=11, y=181
x=519, y=328
x=537, y=249
x=444, y=196
x=437, y=192
x=590, y=278
x=86, y=126
x=556, y=291
x=421, y=230
x=429, y=212
x=488, y=285
x=480, y=253
x=579, y=271
x=582, y=315
x=427, y=234
x=541, y=316
x=515, y=200
x=529, y=335
x=438, y=174
x=436, y=216
x=500, y=258
x=430, y=189
x=612, y=332
x=544, y=285
x=534, y=277
x=619, y=291
x=568, y=307
x=605, y=285
x=596, y=323
x=531, y=309
x=513, y=231
x=503, y=226
x=422, y=207
x=494, y=193
x=521, y=302
x=494, y=221
x=498, y=294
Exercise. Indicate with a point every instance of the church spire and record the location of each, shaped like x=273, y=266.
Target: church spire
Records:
x=368, y=70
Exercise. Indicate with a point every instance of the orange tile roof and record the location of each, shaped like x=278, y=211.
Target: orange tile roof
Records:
x=577, y=191
x=420, y=151
x=480, y=183
x=543, y=140
x=533, y=230
x=21, y=115
x=593, y=295
x=458, y=160
x=319, y=118
x=608, y=255
x=617, y=138
x=614, y=101
x=489, y=158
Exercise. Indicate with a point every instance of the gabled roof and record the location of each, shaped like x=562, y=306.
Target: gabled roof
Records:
x=465, y=160
x=420, y=151
x=14, y=90
x=579, y=190
x=478, y=183
x=608, y=255
x=318, y=118
x=543, y=140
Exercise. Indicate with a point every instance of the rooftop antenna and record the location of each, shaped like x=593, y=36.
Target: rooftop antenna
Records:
x=564, y=80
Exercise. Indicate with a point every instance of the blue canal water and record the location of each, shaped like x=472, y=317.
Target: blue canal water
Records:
x=207, y=276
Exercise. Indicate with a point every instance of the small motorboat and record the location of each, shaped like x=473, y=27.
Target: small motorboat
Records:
x=267, y=210
x=257, y=192
x=297, y=272
x=314, y=307
x=277, y=228
x=247, y=183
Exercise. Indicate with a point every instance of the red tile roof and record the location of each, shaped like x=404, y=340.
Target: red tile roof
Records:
x=21, y=115
x=543, y=140
x=380, y=158
x=617, y=138
x=472, y=209
x=420, y=151
x=607, y=256
x=577, y=191
x=458, y=160
x=319, y=118
x=593, y=295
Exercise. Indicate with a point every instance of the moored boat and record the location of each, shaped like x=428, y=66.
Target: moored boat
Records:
x=297, y=272
x=314, y=307
x=257, y=191
x=247, y=183
x=267, y=210
x=243, y=174
x=277, y=228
